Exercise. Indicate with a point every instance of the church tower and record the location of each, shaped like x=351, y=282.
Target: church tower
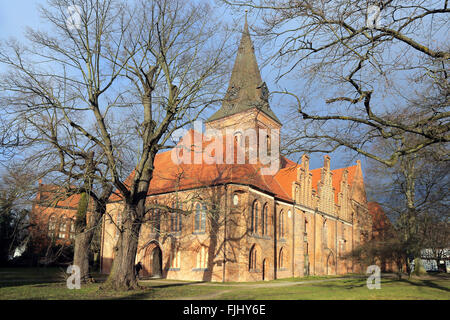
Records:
x=246, y=103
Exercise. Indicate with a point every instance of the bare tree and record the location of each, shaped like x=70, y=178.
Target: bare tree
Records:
x=176, y=74
x=9, y=140
x=159, y=63
x=357, y=64
x=44, y=95
x=414, y=193
x=15, y=198
x=69, y=161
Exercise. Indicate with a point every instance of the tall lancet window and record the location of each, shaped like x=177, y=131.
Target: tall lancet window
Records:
x=281, y=225
x=254, y=217
x=325, y=234
x=264, y=219
x=200, y=218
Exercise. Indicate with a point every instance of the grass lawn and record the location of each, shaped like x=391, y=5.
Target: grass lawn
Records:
x=350, y=289
x=59, y=291
x=49, y=283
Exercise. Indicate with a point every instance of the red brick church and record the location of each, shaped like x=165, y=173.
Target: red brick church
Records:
x=231, y=222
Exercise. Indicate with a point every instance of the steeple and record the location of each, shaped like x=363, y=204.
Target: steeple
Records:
x=246, y=89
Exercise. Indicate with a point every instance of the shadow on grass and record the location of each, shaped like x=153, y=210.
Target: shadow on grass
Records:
x=41, y=281
x=347, y=284
x=20, y=283
x=178, y=284
x=149, y=291
x=426, y=283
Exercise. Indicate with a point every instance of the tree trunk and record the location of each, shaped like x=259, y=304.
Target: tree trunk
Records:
x=399, y=270
x=81, y=253
x=122, y=276
x=83, y=238
x=85, y=232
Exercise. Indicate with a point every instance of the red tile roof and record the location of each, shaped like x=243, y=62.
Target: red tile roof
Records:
x=338, y=175
x=169, y=176
x=316, y=177
x=286, y=176
x=51, y=195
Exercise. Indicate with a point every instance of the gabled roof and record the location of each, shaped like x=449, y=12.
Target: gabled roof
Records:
x=246, y=90
x=169, y=176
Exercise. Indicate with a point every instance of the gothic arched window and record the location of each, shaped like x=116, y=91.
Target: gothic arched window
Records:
x=62, y=228
x=72, y=229
x=281, y=226
x=254, y=217
x=281, y=259
x=200, y=218
x=63, y=225
x=175, y=219
x=52, y=226
x=52, y=223
x=175, y=259
x=253, y=256
x=155, y=220
x=325, y=234
x=264, y=219
x=179, y=215
x=202, y=258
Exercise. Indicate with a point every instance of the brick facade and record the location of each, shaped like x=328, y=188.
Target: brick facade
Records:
x=308, y=240
x=53, y=217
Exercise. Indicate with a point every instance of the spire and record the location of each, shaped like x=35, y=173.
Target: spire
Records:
x=246, y=22
x=246, y=89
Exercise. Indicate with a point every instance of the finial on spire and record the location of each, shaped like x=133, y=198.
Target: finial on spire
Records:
x=246, y=22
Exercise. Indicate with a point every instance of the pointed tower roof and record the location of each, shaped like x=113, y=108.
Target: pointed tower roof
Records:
x=246, y=89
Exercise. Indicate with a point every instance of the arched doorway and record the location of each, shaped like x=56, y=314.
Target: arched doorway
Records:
x=152, y=260
x=264, y=268
x=156, y=269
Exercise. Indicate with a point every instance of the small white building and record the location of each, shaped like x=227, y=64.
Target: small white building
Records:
x=428, y=259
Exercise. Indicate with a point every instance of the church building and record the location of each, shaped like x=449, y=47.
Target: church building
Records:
x=231, y=222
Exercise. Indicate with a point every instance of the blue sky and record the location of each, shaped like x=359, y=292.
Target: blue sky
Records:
x=16, y=15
